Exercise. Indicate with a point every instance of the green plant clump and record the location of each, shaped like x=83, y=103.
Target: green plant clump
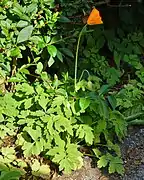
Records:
x=53, y=103
x=49, y=119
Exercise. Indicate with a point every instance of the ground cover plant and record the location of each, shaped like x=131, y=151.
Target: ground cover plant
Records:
x=67, y=89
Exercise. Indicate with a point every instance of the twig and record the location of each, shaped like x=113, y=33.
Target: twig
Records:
x=107, y=2
x=102, y=2
x=14, y=63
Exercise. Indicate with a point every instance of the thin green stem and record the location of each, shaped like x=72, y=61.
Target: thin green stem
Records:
x=90, y=155
x=83, y=74
x=76, y=57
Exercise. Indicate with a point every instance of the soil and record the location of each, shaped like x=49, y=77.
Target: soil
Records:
x=132, y=150
x=85, y=173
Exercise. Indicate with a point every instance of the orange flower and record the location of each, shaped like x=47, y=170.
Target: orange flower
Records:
x=94, y=18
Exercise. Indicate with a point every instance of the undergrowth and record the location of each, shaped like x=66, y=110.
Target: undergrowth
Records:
x=52, y=102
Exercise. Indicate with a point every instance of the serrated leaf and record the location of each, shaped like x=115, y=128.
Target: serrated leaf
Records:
x=58, y=157
x=114, y=147
x=25, y=34
x=112, y=168
x=73, y=159
x=120, y=169
x=10, y=111
x=52, y=50
x=28, y=103
x=27, y=147
x=101, y=125
x=37, y=113
x=21, y=163
x=43, y=102
x=84, y=131
x=68, y=112
x=62, y=124
x=39, y=89
x=59, y=142
x=119, y=123
x=7, y=151
x=44, y=169
x=80, y=132
x=103, y=161
x=116, y=165
x=26, y=88
x=1, y=118
x=35, y=134
x=57, y=101
x=57, y=152
x=89, y=137
x=36, y=165
x=37, y=148
x=65, y=165
x=73, y=149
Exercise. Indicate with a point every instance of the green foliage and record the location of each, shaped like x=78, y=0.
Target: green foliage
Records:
x=46, y=114
x=130, y=101
x=115, y=163
x=69, y=158
x=38, y=169
x=6, y=173
x=27, y=30
x=130, y=95
x=53, y=122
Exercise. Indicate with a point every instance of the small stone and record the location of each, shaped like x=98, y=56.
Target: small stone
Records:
x=104, y=178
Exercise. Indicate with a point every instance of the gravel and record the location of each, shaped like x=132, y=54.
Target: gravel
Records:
x=133, y=155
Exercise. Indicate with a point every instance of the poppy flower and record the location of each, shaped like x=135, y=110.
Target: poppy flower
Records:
x=94, y=18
